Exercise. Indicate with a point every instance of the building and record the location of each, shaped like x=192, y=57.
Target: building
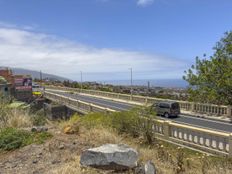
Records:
x=23, y=87
x=7, y=74
x=4, y=87
x=19, y=86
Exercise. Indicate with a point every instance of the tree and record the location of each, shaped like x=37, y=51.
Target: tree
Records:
x=210, y=79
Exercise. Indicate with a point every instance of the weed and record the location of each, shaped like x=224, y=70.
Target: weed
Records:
x=12, y=138
x=180, y=161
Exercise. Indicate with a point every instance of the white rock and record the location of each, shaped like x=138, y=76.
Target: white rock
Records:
x=110, y=157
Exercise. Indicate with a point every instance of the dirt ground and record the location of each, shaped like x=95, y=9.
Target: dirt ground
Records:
x=43, y=158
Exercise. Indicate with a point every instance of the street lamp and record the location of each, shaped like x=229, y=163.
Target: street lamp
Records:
x=131, y=90
x=81, y=81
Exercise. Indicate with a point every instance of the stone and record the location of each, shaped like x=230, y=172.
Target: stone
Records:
x=110, y=157
x=68, y=130
x=56, y=161
x=39, y=129
x=34, y=161
x=71, y=129
x=149, y=168
x=61, y=146
x=139, y=169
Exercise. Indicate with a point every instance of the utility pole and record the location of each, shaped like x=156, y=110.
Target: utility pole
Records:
x=81, y=81
x=131, y=90
x=148, y=87
x=41, y=77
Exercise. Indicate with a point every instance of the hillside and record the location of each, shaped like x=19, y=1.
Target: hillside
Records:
x=36, y=74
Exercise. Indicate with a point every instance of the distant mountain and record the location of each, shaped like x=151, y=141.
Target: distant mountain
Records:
x=36, y=74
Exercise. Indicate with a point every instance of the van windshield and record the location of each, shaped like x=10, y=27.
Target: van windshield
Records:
x=175, y=106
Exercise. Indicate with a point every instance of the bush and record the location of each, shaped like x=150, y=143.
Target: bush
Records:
x=136, y=122
x=94, y=119
x=126, y=122
x=12, y=138
x=38, y=118
x=4, y=110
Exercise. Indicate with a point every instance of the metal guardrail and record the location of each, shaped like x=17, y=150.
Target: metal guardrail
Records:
x=201, y=108
x=216, y=142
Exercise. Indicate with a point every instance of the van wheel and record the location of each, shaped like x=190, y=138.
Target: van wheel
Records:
x=166, y=115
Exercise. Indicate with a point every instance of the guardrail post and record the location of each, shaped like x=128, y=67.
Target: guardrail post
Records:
x=166, y=129
x=230, y=145
x=146, y=100
x=90, y=108
x=229, y=113
x=192, y=107
x=106, y=111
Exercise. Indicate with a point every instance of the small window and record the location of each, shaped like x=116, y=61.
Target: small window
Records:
x=164, y=105
x=6, y=89
x=175, y=106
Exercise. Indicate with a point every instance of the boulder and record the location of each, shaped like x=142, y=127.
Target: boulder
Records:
x=110, y=157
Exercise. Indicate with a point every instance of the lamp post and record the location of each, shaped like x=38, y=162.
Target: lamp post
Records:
x=131, y=90
x=81, y=81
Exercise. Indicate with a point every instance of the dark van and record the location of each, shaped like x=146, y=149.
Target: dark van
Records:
x=167, y=108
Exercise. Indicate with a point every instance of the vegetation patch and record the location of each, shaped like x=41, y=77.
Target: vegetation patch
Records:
x=38, y=119
x=12, y=138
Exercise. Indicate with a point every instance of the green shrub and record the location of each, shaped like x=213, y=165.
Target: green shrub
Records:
x=12, y=138
x=95, y=119
x=38, y=118
x=136, y=122
x=126, y=122
x=146, y=116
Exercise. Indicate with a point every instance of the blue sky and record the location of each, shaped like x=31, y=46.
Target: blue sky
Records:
x=104, y=38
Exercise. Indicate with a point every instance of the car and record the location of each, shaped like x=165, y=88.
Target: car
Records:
x=37, y=90
x=167, y=108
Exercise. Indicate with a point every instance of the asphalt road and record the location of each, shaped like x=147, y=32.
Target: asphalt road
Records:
x=119, y=106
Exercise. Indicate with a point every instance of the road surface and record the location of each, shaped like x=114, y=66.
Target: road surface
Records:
x=121, y=106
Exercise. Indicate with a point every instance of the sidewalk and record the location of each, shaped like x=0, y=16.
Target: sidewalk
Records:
x=205, y=116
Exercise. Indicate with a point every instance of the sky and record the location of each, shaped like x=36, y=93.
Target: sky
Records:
x=158, y=39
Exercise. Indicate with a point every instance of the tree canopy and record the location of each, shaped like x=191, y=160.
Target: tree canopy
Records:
x=210, y=79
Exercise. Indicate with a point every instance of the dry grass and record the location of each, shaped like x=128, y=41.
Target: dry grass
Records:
x=74, y=167
x=99, y=135
x=18, y=119
x=169, y=159
x=15, y=118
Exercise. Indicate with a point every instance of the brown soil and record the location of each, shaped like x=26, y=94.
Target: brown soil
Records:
x=43, y=158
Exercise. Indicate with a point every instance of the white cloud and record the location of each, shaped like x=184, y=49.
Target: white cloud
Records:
x=144, y=2
x=51, y=54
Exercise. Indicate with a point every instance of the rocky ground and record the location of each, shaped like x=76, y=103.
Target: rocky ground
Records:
x=43, y=158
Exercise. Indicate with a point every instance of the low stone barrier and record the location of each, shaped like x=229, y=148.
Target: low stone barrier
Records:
x=77, y=105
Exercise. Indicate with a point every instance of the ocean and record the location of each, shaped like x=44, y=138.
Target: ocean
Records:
x=168, y=83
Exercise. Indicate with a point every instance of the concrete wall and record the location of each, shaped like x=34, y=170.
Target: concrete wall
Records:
x=56, y=112
x=5, y=89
